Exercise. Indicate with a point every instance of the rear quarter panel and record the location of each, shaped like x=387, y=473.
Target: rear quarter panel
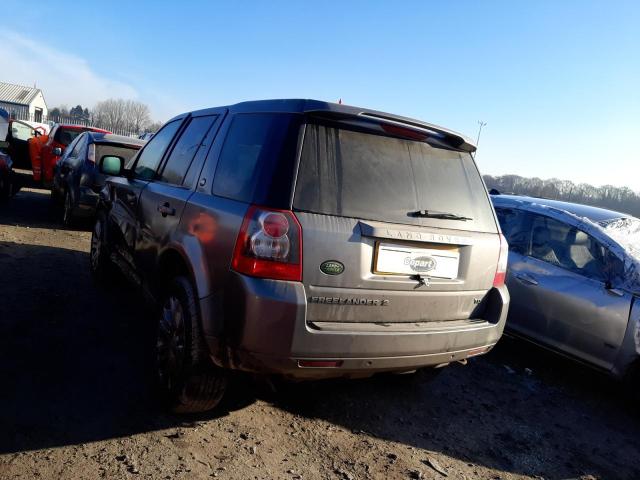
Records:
x=208, y=231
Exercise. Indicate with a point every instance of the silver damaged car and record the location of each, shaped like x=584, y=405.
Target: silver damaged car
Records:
x=574, y=279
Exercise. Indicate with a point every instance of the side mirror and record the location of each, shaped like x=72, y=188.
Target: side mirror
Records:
x=111, y=165
x=57, y=151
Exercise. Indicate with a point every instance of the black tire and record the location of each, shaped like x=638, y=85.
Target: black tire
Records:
x=6, y=187
x=100, y=265
x=187, y=379
x=632, y=382
x=67, y=210
x=55, y=198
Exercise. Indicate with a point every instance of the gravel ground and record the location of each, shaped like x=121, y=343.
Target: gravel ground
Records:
x=75, y=400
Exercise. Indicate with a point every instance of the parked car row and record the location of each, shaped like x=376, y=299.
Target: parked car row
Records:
x=45, y=150
x=76, y=179
x=313, y=240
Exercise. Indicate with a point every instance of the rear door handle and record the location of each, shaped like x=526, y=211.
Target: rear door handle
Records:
x=524, y=278
x=166, y=209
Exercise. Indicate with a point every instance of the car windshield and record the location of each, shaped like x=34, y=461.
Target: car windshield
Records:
x=626, y=232
x=369, y=176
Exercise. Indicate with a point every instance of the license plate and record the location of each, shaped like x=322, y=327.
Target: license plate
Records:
x=397, y=259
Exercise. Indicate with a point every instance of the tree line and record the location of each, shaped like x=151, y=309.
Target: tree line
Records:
x=114, y=114
x=622, y=199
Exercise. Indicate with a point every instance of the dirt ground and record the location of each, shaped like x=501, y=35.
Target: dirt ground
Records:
x=75, y=397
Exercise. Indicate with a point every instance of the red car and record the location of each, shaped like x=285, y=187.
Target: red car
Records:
x=46, y=150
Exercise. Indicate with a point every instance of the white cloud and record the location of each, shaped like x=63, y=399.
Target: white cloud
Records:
x=65, y=79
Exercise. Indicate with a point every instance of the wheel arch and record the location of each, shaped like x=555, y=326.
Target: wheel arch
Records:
x=175, y=260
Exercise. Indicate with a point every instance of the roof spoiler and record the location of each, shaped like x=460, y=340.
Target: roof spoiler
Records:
x=455, y=140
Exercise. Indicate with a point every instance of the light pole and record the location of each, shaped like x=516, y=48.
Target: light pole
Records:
x=482, y=124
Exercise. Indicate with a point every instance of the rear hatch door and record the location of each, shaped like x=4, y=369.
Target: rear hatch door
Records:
x=397, y=227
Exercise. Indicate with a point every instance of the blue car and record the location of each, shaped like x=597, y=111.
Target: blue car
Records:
x=77, y=181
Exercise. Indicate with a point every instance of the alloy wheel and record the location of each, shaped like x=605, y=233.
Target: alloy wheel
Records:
x=171, y=344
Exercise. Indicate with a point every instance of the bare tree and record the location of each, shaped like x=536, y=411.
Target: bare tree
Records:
x=607, y=196
x=118, y=115
x=138, y=116
x=111, y=114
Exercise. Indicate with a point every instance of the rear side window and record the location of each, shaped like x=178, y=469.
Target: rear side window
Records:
x=515, y=226
x=149, y=158
x=125, y=152
x=257, y=160
x=185, y=149
x=374, y=177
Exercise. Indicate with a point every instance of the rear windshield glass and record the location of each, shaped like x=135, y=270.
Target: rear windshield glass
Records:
x=117, y=150
x=66, y=136
x=373, y=177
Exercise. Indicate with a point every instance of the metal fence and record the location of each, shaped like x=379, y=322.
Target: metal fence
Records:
x=67, y=120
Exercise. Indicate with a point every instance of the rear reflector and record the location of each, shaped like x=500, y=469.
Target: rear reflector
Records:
x=319, y=363
x=477, y=351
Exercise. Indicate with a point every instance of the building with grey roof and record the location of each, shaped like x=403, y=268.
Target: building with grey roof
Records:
x=23, y=103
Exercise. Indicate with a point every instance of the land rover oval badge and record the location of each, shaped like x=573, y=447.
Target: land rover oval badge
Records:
x=331, y=267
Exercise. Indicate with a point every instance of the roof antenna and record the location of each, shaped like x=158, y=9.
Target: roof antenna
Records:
x=340, y=101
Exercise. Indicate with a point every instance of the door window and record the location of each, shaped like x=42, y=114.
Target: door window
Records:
x=21, y=131
x=79, y=152
x=185, y=149
x=150, y=157
x=515, y=227
x=70, y=149
x=568, y=247
x=78, y=145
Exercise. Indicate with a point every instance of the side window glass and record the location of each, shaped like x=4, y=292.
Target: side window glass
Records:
x=550, y=241
x=514, y=225
x=21, y=131
x=78, y=145
x=150, y=157
x=67, y=151
x=613, y=268
x=567, y=247
x=185, y=149
x=587, y=255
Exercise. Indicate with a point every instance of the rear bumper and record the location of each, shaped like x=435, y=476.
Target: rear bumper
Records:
x=267, y=332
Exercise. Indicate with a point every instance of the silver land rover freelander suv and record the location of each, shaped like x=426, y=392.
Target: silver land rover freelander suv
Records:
x=305, y=239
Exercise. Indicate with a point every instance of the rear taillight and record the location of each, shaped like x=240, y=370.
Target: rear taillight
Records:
x=269, y=245
x=501, y=271
x=91, y=154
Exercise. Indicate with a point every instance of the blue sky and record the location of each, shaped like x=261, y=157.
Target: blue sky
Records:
x=557, y=82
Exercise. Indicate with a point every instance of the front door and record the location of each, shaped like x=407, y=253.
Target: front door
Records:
x=126, y=192
x=563, y=288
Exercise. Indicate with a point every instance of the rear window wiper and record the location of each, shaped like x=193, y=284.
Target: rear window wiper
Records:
x=436, y=214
